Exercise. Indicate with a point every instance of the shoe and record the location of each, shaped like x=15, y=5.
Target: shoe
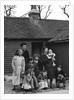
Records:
x=13, y=89
x=51, y=87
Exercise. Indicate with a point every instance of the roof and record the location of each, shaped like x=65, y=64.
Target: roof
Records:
x=63, y=36
x=16, y=28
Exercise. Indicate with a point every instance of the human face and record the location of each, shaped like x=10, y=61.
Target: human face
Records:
x=31, y=62
x=20, y=52
x=28, y=75
x=59, y=69
x=36, y=59
x=24, y=47
x=46, y=50
x=50, y=51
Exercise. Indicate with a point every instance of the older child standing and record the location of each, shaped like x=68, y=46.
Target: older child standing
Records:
x=18, y=66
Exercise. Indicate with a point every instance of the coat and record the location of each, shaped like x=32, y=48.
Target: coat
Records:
x=26, y=56
x=18, y=66
x=48, y=65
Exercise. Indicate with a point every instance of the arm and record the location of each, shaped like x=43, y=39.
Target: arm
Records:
x=23, y=65
x=27, y=55
x=13, y=64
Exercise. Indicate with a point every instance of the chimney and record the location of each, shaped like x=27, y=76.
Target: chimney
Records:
x=34, y=13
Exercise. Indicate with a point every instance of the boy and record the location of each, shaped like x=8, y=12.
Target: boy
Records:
x=60, y=77
x=25, y=52
x=31, y=69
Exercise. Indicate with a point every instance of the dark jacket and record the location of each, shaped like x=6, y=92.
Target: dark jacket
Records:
x=59, y=72
x=26, y=56
x=47, y=66
x=44, y=59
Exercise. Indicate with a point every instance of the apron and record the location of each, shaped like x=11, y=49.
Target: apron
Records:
x=16, y=76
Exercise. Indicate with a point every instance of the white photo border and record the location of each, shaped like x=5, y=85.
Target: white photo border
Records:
x=38, y=96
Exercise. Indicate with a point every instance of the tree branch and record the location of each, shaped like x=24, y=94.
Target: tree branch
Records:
x=64, y=10
x=48, y=12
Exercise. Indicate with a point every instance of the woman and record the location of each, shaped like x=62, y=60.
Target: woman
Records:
x=18, y=66
x=48, y=65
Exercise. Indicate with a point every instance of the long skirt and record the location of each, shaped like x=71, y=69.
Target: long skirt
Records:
x=16, y=76
x=50, y=70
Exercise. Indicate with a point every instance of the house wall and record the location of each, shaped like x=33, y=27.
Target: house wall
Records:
x=62, y=54
x=10, y=46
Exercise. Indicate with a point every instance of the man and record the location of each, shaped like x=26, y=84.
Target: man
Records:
x=25, y=52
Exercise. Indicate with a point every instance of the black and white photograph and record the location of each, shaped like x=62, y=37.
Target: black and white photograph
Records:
x=36, y=48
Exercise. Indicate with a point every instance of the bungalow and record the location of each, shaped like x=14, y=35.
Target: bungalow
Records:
x=34, y=31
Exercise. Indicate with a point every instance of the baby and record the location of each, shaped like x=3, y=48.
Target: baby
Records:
x=51, y=55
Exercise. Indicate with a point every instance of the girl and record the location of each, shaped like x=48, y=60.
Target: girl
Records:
x=27, y=82
x=18, y=66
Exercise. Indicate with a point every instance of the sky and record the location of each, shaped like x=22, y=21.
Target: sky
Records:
x=57, y=12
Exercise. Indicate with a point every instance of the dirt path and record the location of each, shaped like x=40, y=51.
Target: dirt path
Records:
x=8, y=90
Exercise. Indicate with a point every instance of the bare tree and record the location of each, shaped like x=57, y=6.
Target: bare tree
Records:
x=48, y=12
x=40, y=8
x=8, y=10
x=64, y=10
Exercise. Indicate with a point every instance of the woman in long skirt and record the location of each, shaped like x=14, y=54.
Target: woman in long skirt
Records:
x=18, y=65
x=48, y=65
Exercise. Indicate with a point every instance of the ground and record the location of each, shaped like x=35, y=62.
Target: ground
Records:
x=8, y=90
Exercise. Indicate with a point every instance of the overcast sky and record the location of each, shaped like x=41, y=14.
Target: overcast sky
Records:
x=57, y=12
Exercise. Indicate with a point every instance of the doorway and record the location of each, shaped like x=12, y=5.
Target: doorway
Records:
x=37, y=48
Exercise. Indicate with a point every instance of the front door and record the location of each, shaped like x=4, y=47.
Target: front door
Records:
x=37, y=48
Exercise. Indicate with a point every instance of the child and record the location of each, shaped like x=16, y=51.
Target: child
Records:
x=31, y=69
x=42, y=79
x=51, y=55
x=38, y=62
x=36, y=85
x=27, y=82
x=18, y=65
x=37, y=65
x=60, y=77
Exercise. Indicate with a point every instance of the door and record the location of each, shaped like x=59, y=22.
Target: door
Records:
x=37, y=48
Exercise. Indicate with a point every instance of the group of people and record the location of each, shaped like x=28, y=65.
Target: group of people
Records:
x=37, y=72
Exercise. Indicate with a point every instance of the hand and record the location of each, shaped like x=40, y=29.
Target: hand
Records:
x=22, y=72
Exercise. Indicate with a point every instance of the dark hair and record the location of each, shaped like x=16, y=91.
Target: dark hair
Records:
x=36, y=55
x=16, y=52
x=22, y=44
x=59, y=66
x=31, y=58
x=27, y=72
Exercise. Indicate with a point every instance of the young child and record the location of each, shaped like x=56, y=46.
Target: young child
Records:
x=37, y=65
x=18, y=65
x=60, y=77
x=42, y=79
x=51, y=55
x=28, y=84
x=31, y=69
